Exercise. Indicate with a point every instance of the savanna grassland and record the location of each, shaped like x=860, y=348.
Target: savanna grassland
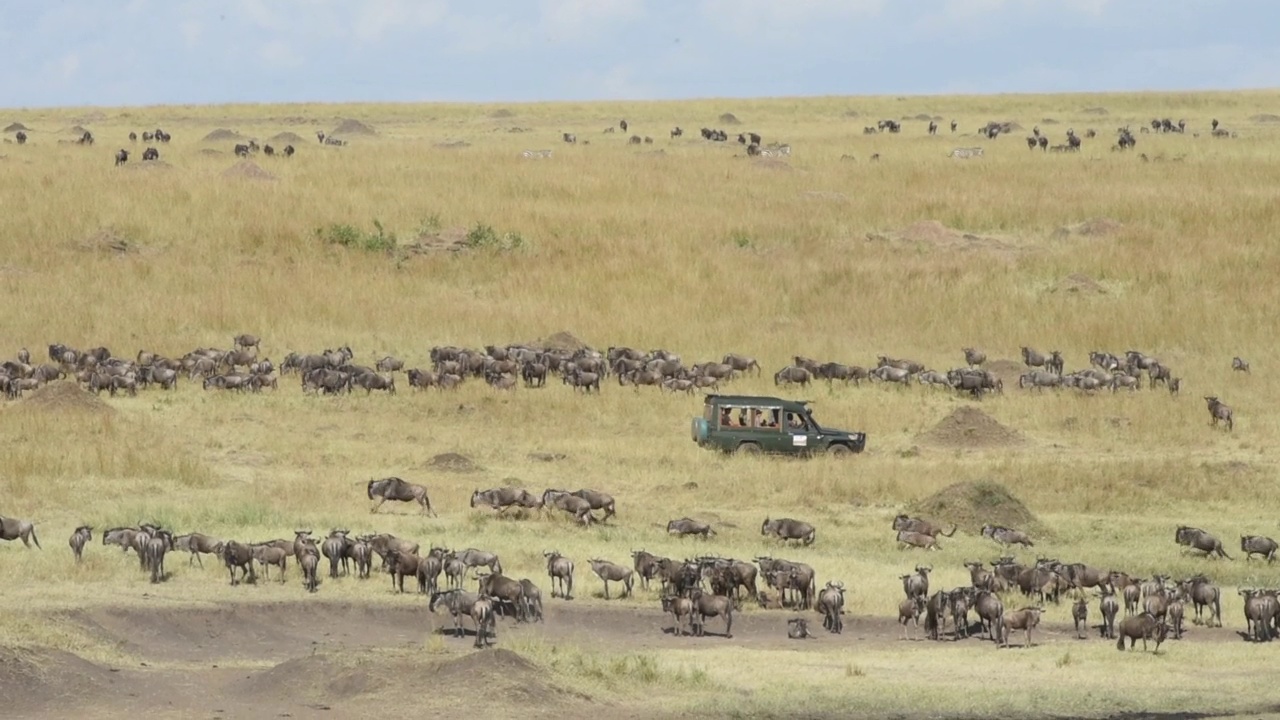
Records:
x=680, y=244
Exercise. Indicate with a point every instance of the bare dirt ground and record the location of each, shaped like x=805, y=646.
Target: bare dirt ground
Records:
x=319, y=659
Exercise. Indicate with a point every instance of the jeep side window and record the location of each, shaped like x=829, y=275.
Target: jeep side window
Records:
x=726, y=417
x=795, y=422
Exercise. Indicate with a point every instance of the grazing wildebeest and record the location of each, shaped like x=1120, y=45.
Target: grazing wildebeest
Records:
x=677, y=131
x=1220, y=411
x=122, y=157
x=1239, y=364
x=394, y=488
x=150, y=154
x=15, y=529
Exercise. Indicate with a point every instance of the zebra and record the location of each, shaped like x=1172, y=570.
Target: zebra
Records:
x=536, y=154
x=966, y=153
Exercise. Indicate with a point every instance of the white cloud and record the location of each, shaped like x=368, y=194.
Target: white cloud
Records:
x=375, y=17
x=279, y=54
x=191, y=32
x=574, y=19
x=68, y=66
x=767, y=18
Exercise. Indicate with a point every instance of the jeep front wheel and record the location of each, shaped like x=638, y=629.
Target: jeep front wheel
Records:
x=747, y=448
x=839, y=451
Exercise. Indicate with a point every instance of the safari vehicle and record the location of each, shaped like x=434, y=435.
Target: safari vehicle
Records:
x=749, y=424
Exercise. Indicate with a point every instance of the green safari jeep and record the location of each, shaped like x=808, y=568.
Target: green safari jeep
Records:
x=749, y=424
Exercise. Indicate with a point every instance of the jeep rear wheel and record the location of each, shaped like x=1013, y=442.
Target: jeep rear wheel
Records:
x=747, y=448
x=838, y=450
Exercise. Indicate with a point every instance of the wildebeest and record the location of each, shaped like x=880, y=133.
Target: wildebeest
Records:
x=608, y=571
x=1260, y=611
x=1239, y=364
x=689, y=526
x=831, y=604
x=82, y=536
x=15, y=529
x=1219, y=411
x=706, y=605
x=504, y=498
x=471, y=557
x=916, y=585
x=1025, y=619
x=1006, y=536
x=1197, y=539
x=1203, y=595
x=531, y=597
x=288, y=151
x=788, y=529
x=197, y=543
x=909, y=611
x=150, y=154
x=792, y=374
x=270, y=554
x=122, y=157
x=741, y=363
x=924, y=527
x=907, y=538
x=1109, y=607
x=1258, y=545
x=21, y=137
x=560, y=569
x=160, y=543
x=236, y=555
x=598, y=501
x=242, y=150
x=394, y=488
x=458, y=602
x=578, y=507
x=974, y=357
x=1080, y=616
x=1142, y=626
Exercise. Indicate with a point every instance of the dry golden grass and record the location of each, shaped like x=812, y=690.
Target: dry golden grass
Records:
x=699, y=250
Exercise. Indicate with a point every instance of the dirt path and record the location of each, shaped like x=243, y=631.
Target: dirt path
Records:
x=276, y=659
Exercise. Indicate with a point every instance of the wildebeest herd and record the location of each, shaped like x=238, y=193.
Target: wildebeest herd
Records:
x=694, y=589
x=1153, y=607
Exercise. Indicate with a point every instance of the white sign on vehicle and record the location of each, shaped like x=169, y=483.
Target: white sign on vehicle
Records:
x=800, y=440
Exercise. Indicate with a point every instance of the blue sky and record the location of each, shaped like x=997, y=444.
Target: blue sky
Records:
x=141, y=52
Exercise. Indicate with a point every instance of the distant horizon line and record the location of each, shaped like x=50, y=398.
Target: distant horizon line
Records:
x=624, y=101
